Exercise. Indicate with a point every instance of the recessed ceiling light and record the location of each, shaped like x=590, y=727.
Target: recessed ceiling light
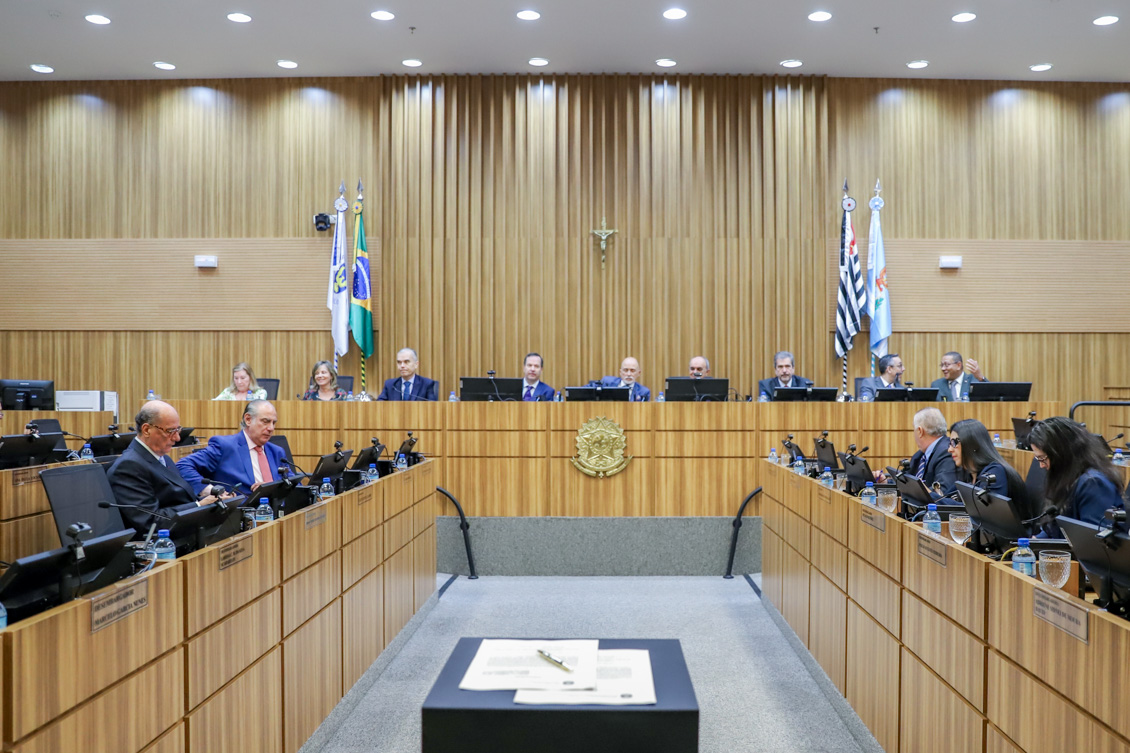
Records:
x=918, y=64
x=674, y=13
x=1040, y=67
x=665, y=62
x=239, y=18
x=382, y=15
x=792, y=63
x=964, y=18
x=1105, y=20
x=40, y=68
x=529, y=15
x=820, y=15
x=412, y=63
x=94, y=18
x=287, y=64
x=165, y=66
x=539, y=61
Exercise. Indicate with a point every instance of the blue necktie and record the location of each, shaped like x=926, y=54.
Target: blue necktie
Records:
x=921, y=467
x=529, y=396
x=404, y=390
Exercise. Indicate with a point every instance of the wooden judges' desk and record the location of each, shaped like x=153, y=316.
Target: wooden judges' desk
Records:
x=243, y=646
x=935, y=647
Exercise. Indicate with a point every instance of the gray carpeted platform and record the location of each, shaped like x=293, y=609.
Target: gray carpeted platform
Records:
x=754, y=691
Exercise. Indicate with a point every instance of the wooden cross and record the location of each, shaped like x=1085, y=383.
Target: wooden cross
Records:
x=603, y=233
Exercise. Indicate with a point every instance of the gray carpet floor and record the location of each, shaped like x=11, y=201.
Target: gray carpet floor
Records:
x=756, y=691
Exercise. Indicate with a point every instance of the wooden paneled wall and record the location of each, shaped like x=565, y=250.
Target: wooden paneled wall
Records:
x=484, y=190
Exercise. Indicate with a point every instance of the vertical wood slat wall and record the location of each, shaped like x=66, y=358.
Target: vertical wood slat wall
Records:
x=483, y=190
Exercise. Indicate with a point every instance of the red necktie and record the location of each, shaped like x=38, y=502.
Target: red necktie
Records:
x=264, y=467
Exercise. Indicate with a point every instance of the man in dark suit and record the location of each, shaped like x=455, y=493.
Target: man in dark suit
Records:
x=409, y=385
x=145, y=478
x=785, y=376
x=246, y=458
x=933, y=462
x=954, y=383
x=890, y=375
x=533, y=388
x=629, y=377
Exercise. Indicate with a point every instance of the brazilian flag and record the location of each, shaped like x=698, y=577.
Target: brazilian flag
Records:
x=360, y=302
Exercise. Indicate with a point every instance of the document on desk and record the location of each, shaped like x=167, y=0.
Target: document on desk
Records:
x=518, y=665
x=623, y=678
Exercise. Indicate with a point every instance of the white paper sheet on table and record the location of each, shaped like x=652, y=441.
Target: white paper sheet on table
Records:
x=623, y=678
x=516, y=665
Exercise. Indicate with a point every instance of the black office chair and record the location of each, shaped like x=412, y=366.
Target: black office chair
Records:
x=858, y=381
x=280, y=440
x=1036, y=482
x=271, y=386
x=74, y=492
x=345, y=382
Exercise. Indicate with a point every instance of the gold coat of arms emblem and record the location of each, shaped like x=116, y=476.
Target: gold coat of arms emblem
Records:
x=600, y=448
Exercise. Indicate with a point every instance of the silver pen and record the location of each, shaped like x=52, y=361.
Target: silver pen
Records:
x=554, y=660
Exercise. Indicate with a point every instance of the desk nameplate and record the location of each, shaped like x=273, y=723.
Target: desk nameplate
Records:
x=1061, y=614
x=932, y=549
x=315, y=518
x=873, y=518
x=113, y=607
x=237, y=551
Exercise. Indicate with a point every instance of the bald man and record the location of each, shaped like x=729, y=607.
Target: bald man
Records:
x=630, y=373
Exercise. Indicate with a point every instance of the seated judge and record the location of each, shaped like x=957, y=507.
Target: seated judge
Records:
x=699, y=367
x=246, y=458
x=890, y=375
x=955, y=382
x=630, y=372
x=409, y=385
x=323, y=383
x=534, y=390
x=785, y=376
x=933, y=463
x=243, y=385
x=973, y=453
x=145, y=477
x=1081, y=482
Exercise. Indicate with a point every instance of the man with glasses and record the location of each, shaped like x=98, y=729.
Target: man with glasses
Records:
x=246, y=458
x=954, y=384
x=144, y=478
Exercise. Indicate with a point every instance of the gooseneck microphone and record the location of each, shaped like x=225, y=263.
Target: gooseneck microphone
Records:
x=154, y=513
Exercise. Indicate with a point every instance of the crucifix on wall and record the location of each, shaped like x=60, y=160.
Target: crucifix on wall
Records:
x=604, y=233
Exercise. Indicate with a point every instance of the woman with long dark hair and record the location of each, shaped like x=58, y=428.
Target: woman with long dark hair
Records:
x=973, y=452
x=1082, y=483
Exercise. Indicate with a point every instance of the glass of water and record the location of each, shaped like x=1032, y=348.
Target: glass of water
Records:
x=960, y=528
x=1055, y=567
x=888, y=500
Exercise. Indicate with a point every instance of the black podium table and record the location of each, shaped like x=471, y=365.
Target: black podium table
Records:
x=478, y=721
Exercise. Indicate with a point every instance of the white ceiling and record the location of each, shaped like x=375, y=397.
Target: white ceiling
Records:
x=339, y=38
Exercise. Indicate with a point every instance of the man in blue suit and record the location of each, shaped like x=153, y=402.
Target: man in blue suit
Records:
x=954, y=383
x=890, y=375
x=630, y=373
x=246, y=458
x=785, y=376
x=409, y=385
x=534, y=390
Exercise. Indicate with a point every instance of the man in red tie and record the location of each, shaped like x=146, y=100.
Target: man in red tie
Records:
x=246, y=458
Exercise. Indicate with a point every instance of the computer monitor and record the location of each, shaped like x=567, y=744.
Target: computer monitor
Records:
x=40, y=581
x=907, y=394
x=1022, y=427
x=186, y=438
x=1104, y=555
x=111, y=444
x=35, y=449
x=790, y=447
x=857, y=470
x=198, y=527
x=330, y=466
x=1003, y=392
x=371, y=454
x=911, y=489
x=695, y=390
x=597, y=394
x=826, y=453
x=997, y=516
x=805, y=395
x=27, y=394
x=490, y=389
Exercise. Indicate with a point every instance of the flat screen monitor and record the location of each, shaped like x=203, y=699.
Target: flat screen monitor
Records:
x=907, y=394
x=911, y=488
x=693, y=390
x=805, y=395
x=330, y=466
x=488, y=389
x=186, y=438
x=993, y=514
x=33, y=448
x=597, y=394
x=1001, y=392
x=371, y=454
x=1105, y=557
x=198, y=527
x=1022, y=427
x=826, y=454
x=791, y=448
x=27, y=394
x=41, y=581
x=111, y=444
x=857, y=470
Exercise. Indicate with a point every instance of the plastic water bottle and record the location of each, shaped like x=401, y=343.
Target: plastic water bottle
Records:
x=151, y=395
x=996, y=440
x=773, y=456
x=869, y=496
x=164, y=547
x=402, y=462
x=865, y=398
x=931, y=521
x=1023, y=559
x=371, y=474
x=451, y=398
x=3, y=617
x=264, y=513
x=826, y=478
x=557, y=398
x=87, y=453
x=965, y=397
x=798, y=465
x=762, y=398
x=1119, y=459
x=660, y=398
x=326, y=490
x=349, y=396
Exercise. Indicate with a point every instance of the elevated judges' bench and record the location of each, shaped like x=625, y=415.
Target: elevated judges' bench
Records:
x=245, y=645
x=938, y=648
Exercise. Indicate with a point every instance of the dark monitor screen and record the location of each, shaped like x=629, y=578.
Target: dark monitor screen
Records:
x=33, y=447
x=186, y=437
x=371, y=454
x=993, y=513
x=111, y=444
x=198, y=527
x=27, y=394
x=330, y=466
x=691, y=390
x=1011, y=392
x=908, y=394
x=40, y=581
x=487, y=389
x=910, y=487
x=857, y=470
x=805, y=394
x=1022, y=427
x=826, y=454
x=1106, y=560
x=597, y=394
